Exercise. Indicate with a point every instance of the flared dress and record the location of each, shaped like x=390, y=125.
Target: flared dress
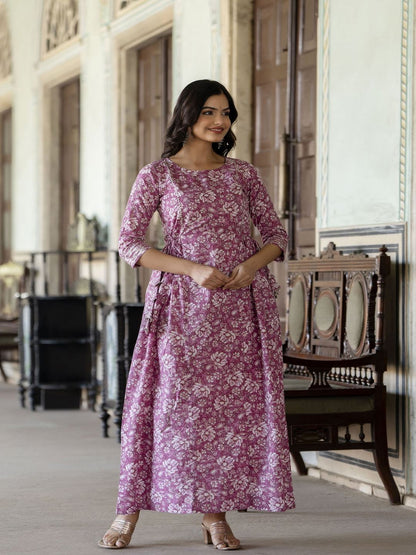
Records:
x=203, y=426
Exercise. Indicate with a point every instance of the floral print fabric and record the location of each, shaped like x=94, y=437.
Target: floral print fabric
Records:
x=204, y=425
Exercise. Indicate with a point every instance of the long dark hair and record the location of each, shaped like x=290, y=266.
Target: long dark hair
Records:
x=187, y=111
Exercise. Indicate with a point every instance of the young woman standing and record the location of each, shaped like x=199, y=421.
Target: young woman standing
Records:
x=204, y=425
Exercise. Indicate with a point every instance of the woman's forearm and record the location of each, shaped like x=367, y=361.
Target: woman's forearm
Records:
x=264, y=256
x=156, y=260
x=206, y=276
x=243, y=274
x=163, y=262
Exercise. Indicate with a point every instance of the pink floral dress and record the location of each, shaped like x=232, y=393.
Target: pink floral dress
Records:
x=204, y=426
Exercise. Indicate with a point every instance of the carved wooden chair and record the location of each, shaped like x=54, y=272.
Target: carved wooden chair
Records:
x=335, y=357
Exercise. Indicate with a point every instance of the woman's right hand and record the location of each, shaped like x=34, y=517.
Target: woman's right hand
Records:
x=208, y=277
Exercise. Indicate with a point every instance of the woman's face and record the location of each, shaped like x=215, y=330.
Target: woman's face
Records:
x=214, y=120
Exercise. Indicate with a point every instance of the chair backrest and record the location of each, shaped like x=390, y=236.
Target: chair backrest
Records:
x=335, y=306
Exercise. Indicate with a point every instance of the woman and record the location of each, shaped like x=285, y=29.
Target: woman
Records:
x=204, y=424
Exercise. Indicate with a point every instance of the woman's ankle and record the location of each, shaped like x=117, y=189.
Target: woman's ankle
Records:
x=133, y=517
x=210, y=518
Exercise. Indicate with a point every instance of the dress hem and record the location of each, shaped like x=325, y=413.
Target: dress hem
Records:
x=209, y=510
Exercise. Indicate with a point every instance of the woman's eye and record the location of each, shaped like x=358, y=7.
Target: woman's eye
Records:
x=210, y=113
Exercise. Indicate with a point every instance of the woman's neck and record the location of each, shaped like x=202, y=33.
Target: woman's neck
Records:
x=198, y=156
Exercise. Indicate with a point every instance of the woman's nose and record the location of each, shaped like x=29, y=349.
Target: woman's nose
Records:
x=221, y=118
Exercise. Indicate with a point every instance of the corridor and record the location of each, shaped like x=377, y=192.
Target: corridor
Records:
x=58, y=484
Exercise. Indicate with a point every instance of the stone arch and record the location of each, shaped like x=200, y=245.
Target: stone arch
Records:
x=60, y=23
x=5, y=48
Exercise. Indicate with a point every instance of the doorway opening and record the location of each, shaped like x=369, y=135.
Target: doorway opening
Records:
x=285, y=112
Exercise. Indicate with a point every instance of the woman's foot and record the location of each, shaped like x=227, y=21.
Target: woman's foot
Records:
x=217, y=531
x=120, y=532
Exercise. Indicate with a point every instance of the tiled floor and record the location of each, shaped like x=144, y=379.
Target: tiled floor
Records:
x=58, y=480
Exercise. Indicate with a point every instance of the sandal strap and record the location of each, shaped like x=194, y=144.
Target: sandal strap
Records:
x=220, y=524
x=122, y=526
x=221, y=533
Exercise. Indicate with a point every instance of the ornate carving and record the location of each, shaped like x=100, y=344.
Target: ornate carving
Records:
x=319, y=378
x=5, y=50
x=331, y=251
x=60, y=22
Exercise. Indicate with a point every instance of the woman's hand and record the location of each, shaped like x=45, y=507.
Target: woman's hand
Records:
x=244, y=273
x=241, y=276
x=208, y=277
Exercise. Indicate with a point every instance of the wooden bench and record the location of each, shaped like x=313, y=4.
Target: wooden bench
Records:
x=335, y=357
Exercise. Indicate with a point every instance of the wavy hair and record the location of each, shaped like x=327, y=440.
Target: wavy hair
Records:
x=187, y=111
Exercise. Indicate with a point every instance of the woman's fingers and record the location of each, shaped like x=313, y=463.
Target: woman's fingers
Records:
x=240, y=277
x=212, y=278
x=209, y=277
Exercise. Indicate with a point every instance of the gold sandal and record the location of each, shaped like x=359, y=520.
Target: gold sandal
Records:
x=219, y=534
x=124, y=529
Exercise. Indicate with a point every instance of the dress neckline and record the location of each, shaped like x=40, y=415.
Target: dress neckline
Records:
x=197, y=171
